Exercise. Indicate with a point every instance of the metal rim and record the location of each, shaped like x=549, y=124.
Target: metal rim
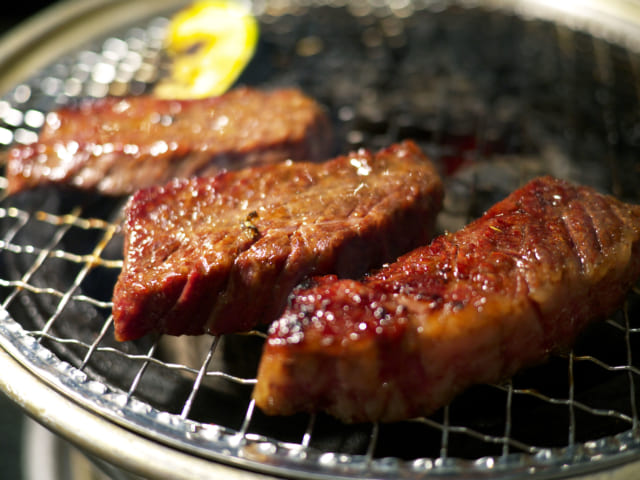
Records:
x=108, y=441
x=61, y=27
x=75, y=399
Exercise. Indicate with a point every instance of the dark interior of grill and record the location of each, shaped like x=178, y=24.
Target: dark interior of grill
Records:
x=493, y=98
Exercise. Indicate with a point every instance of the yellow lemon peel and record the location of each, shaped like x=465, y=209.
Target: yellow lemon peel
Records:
x=209, y=44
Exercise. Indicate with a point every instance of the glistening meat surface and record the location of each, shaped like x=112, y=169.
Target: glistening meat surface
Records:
x=472, y=307
x=118, y=145
x=221, y=254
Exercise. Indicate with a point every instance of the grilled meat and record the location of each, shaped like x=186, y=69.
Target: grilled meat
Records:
x=472, y=307
x=118, y=145
x=221, y=254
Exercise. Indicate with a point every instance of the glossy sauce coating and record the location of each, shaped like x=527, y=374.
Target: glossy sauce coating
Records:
x=221, y=254
x=472, y=307
x=118, y=145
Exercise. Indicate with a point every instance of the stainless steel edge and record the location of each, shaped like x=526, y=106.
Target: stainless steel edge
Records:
x=105, y=440
x=64, y=26
x=152, y=458
x=617, y=21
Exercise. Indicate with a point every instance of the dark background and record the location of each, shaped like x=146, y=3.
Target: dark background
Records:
x=14, y=11
x=11, y=417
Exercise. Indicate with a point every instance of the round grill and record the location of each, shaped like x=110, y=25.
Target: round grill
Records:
x=495, y=92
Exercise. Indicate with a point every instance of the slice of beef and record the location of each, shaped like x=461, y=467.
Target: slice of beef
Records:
x=118, y=145
x=222, y=254
x=472, y=307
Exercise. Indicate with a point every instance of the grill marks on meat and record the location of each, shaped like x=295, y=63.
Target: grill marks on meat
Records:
x=472, y=307
x=118, y=145
x=222, y=254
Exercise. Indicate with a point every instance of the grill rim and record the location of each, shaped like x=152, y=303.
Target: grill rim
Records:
x=615, y=450
x=185, y=437
x=63, y=26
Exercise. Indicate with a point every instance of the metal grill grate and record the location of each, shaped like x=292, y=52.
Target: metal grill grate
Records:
x=494, y=98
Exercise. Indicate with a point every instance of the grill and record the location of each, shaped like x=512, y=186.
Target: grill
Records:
x=495, y=92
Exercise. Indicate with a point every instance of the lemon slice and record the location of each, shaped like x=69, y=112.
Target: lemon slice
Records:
x=209, y=44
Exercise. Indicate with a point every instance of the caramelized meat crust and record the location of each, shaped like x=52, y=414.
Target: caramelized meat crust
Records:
x=472, y=307
x=118, y=145
x=222, y=254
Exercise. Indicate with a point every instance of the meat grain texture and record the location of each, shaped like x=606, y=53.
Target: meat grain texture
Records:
x=221, y=254
x=472, y=307
x=118, y=145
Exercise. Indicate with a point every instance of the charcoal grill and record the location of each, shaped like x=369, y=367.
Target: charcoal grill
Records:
x=496, y=92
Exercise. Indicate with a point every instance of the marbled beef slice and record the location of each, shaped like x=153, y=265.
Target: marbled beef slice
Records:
x=118, y=145
x=221, y=254
x=472, y=307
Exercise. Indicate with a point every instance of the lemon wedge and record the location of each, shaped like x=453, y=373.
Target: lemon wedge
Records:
x=209, y=44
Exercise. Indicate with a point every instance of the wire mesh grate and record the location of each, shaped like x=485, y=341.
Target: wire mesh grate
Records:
x=531, y=97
